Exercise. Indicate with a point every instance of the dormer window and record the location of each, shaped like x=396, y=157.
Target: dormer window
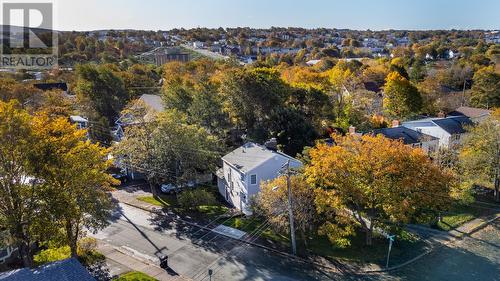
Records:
x=253, y=179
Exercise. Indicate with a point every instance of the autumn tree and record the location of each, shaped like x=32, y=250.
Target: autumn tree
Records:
x=75, y=172
x=401, y=98
x=272, y=202
x=372, y=182
x=480, y=154
x=21, y=208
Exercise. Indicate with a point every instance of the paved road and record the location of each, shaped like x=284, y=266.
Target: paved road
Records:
x=474, y=258
x=150, y=236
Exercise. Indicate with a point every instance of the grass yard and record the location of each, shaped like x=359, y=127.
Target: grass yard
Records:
x=134, y=276
x=160, y=200
x=170, y=201
x=404, y=248
x=458, y=215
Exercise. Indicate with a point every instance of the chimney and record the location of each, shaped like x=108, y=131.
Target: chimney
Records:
x=352, y=130
x=395, y=123
x=441, y=114
x=271, y=144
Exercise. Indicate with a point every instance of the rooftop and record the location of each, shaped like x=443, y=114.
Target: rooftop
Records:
x=250, y=155
x=470, y=112
x=65, y=270
x=153, y=101
x=408, y=136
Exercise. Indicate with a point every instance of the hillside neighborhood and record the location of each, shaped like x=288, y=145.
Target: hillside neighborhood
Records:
x=184, y=152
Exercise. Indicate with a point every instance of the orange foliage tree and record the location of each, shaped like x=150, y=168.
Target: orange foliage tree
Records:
x=373, y=182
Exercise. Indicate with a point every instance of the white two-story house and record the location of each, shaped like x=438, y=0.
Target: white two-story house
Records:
x=245, y=168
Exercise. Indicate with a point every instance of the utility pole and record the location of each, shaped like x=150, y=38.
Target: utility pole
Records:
x=290, y=210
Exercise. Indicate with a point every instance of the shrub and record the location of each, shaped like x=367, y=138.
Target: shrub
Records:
x=86, y=252
x=191, y=199
x=52, y=254
x=87, y=244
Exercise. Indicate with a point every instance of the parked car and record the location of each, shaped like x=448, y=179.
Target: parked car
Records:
x=169, y=188
x=121, y=177
x=172, y=188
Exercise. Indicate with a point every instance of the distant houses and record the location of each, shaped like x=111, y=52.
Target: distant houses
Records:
x=246, y=167
x=79, y=121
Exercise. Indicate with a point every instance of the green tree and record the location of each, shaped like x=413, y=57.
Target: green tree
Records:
x=401, y=98
x=167, y=149
x=486, y=88
x=101, y=90
x=480, y=154
x=251, y=96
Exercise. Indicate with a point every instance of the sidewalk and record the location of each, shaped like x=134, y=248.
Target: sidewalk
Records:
x=115, y=255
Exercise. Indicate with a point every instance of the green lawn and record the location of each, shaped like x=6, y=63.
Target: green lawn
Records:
x=135, y=276
x=170, y=201
x=161, y=200
x=456, y=216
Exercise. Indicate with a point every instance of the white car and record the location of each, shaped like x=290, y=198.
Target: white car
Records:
x=172, y=188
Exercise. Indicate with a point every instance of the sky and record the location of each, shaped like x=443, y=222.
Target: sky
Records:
x=352, y=14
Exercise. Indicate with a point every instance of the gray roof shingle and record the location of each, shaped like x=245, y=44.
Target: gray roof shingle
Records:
x=408, y=136
x=250, y=155
x=63, y=270
x=454, y=125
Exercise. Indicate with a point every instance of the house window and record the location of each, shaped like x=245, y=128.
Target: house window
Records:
x=253, y=179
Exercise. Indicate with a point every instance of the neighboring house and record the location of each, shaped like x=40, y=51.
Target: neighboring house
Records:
x=81, y=123
x=449, y=130
x=410, y=137
x=169, y=55
x=68, y=269
x=52, y=86
x=312, y=62
x=475, y=114
x=154, y=105
x=245, y=168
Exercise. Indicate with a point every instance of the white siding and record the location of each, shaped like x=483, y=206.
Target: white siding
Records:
x=240, y=195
